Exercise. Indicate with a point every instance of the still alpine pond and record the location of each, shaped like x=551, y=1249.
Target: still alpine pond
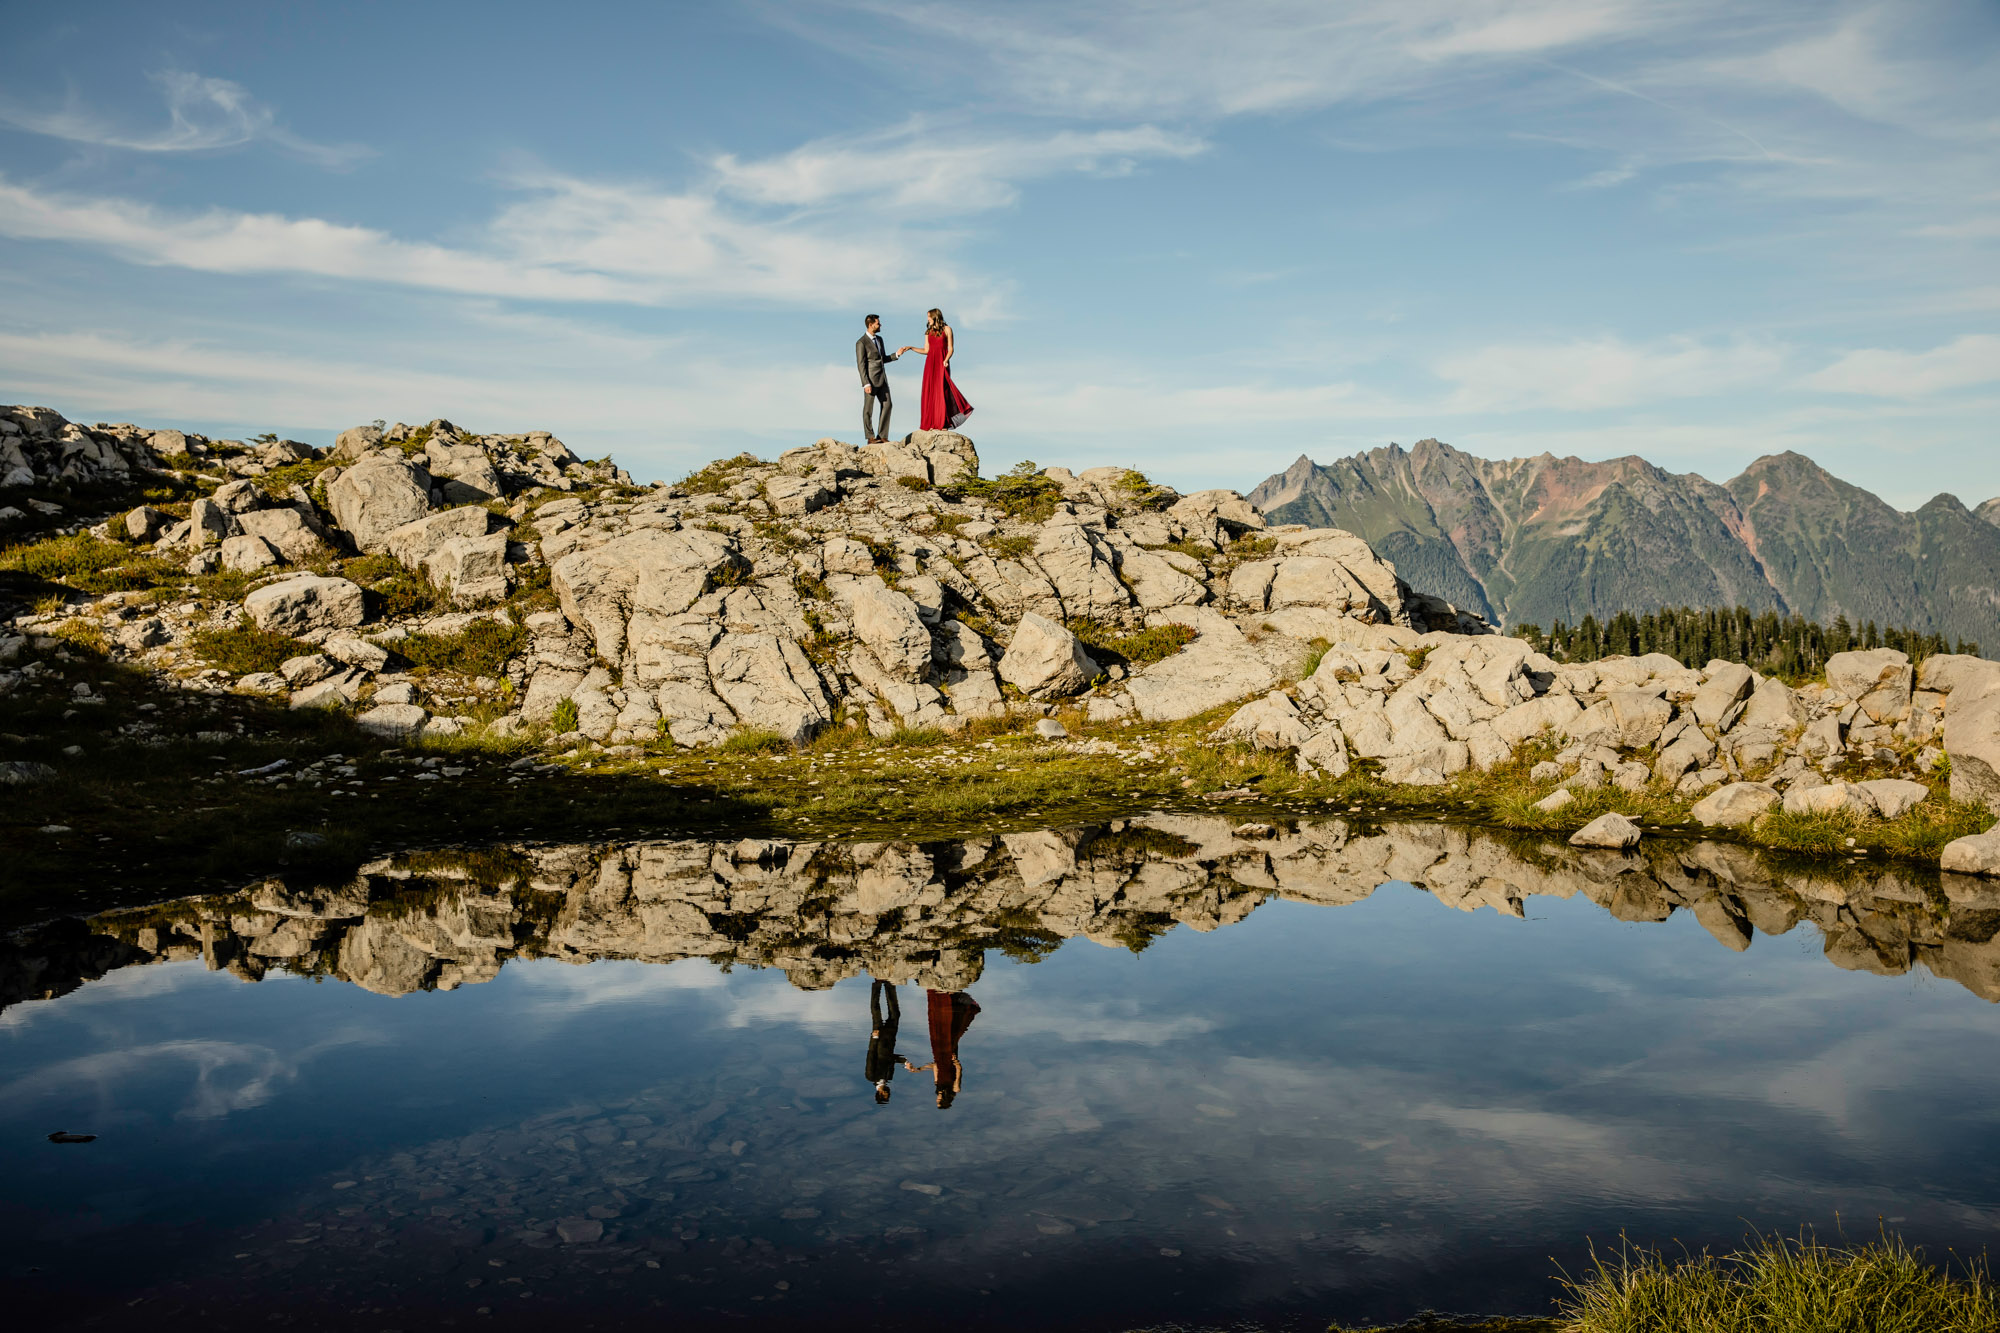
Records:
x=1151, y=1072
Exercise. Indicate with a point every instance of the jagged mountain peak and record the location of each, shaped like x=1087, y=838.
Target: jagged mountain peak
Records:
x=1547, y=537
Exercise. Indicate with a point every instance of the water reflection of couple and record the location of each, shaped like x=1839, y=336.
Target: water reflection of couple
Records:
x=950, y=1014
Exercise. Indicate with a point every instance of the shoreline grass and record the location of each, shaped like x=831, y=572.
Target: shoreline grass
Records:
x=1772, y=1284
x=1779, y=1284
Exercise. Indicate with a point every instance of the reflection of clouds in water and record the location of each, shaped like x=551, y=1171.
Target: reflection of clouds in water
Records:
x=773, y=1000
x=227, y=1076
x=1843, y=1083
x=1014, y=1007
x=554, y=984
x=120, y=987
x=740, y=999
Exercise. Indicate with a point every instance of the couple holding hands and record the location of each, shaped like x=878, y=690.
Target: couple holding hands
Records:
x=943, y=406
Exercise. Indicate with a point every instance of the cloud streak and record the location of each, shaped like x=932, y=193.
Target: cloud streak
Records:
x=1593, y=374
x=802, y=229
x=204, y=115
x=1885, y=373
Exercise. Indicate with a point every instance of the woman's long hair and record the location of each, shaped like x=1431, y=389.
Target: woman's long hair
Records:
x=935, y=324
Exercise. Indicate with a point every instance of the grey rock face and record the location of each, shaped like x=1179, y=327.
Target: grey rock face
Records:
x=1611, y=830
x=1045, y=661
x=466, y=465
x=412, y=543
x=1978, y=854
x=1735, y=804
x=1269, y=723
x=356, y=652
x=1972, y=738
x=1879, y=679
x=890, y=626
x=377, y=496
x=1207, y=673
x=146, y=523
x=308, y=602
x=355, y=441
x=398, y=720
x=631, y=586
x=1720, y=699
x=287, y=531
x=246, y=555
x=470, y=570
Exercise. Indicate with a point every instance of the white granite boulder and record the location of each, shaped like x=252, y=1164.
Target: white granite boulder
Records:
x=1735, y=804
x=1045, y=661
x=308, y=602
x=376, y=496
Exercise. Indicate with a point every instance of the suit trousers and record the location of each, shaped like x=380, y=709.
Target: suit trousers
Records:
x=868, y=403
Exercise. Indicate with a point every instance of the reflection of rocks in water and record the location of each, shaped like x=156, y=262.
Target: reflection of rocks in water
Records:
x=927, y=912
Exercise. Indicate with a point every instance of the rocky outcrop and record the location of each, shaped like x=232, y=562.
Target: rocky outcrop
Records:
x=39, y=448
x=927, y=913
x=1427, y=707
x=887, y=586
x=890, y=586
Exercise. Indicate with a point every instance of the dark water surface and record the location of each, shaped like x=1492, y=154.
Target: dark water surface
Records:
x=624, y=1086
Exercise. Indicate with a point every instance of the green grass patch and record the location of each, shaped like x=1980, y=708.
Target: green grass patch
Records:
x=1024, y=494
x=281, y=479
x=1009, y=547
x=405, y=593
x=1139, y=489
x=65, y=558
x=754, y=741
x=1131, y=648
x=1316, y=652
x=245, y=649
x=718, y=476
x=1777, y=1285
x=482, y=648
x=563, y=719
x=916, y=737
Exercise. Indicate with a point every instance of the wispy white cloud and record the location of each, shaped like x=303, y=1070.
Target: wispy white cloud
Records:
x=1887, y=373
x=804, y=229
x=204, y=115
x=912, y=167
x=1607, y=372
x=1184, y=57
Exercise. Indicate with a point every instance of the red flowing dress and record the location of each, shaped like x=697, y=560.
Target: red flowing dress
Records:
x=944, y=407
x=950, y=1014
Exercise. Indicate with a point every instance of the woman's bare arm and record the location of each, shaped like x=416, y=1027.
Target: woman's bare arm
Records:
x=950, y=342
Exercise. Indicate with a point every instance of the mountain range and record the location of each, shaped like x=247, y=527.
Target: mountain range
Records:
x=1537, y=540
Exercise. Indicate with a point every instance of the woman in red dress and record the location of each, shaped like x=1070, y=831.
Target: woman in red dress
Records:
x=944, y=407
x=950, y=1014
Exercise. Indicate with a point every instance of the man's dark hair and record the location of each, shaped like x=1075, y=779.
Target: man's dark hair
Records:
x=870, y=319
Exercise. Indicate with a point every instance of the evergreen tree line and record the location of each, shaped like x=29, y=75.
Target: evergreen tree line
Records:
x=1790, y=646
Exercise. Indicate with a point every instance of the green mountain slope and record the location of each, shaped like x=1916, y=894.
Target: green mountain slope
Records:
x=1545, y=539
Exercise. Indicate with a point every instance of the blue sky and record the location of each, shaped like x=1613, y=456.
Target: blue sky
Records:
x=1197, y=239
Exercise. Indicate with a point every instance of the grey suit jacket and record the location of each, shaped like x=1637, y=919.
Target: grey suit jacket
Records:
x=869, y=358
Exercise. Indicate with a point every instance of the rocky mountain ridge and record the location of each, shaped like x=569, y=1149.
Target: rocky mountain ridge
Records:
x=1537, y=540
x=893, y=587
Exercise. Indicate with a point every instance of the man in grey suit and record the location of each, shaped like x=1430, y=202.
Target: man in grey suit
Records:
x=871, y=358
